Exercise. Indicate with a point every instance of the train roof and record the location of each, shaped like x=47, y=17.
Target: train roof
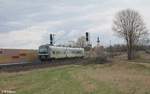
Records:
x=59, y=47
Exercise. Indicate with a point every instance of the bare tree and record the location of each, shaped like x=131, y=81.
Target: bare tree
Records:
x=128, y=24
x=81, y=42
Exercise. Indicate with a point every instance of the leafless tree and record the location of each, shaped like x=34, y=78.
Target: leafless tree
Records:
x=81, y=42
x=128, y=24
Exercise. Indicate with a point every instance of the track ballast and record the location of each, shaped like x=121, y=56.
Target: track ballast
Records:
x=17, y=67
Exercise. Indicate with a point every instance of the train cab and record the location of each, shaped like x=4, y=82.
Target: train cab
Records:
x=43, y=52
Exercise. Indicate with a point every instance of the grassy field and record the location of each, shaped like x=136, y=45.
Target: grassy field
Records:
x=111, y=78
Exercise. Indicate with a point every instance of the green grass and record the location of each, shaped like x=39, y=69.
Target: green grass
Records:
x=114, y=78
x=46, y=81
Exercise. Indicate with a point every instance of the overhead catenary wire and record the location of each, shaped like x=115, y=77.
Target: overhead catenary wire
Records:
x=62, y=37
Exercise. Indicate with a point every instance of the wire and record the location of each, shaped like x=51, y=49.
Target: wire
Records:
x=61, y=37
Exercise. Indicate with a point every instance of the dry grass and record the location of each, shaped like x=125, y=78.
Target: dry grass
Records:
x=4, y=59
x=128, y=78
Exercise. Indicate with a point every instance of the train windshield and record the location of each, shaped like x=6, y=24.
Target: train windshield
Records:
x=43, y=50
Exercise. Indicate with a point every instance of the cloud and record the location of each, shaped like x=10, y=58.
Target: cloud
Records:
x=28, y=23
x=27, y=38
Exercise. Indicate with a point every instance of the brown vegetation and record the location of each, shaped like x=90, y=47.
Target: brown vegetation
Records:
x=17, y=55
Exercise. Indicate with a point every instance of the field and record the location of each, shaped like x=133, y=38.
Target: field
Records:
x=118, y=77
x=17, y=55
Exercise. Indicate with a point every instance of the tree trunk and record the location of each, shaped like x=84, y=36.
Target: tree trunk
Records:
x=130, y=48
x=129, y=52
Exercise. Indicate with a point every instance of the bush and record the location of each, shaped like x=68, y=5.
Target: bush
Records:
x=102, y=58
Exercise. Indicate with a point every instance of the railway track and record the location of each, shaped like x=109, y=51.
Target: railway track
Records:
x=17, y=67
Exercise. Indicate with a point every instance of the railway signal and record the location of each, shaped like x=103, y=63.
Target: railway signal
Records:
x=98, y=41
x=88, y=44
x=87, y=36
x=51, y=39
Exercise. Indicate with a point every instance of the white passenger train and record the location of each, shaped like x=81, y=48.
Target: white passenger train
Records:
x=47, y=52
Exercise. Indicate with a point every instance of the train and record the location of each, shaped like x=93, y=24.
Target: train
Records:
x=49, y=52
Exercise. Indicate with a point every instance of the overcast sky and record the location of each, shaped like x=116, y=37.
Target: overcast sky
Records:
x=28, y=23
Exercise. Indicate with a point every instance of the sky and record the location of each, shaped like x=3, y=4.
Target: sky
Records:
x=27, y=23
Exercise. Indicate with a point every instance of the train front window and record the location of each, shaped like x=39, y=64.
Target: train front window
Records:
x=43, y=50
